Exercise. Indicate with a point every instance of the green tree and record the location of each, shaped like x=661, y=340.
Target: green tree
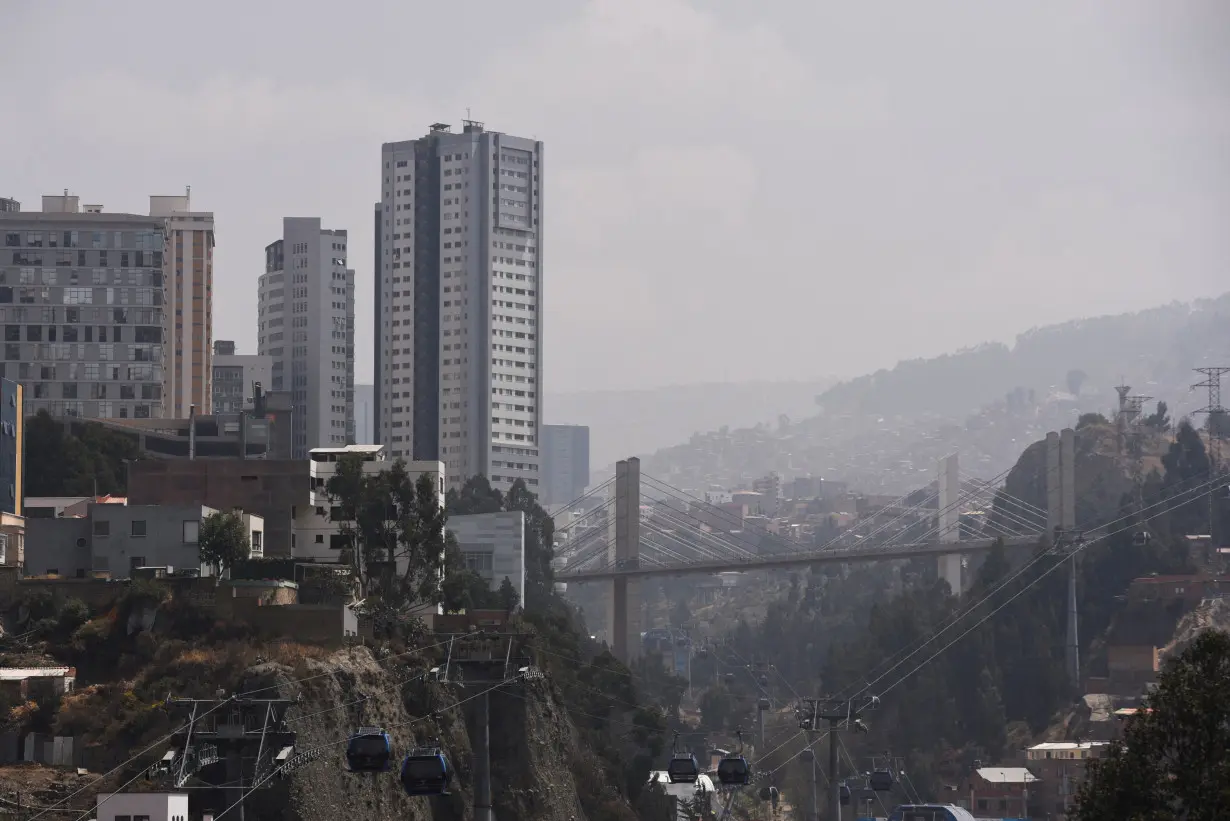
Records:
x=223, y=539
x=1159, y=420
x=61, y=464
x=508, y=596
x=716, y=708
x=1174, y=760
x=395, y=528
x=1087, y=419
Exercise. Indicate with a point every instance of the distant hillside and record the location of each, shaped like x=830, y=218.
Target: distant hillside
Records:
x=1151, y=346
x=883, y=432
x=625, y=423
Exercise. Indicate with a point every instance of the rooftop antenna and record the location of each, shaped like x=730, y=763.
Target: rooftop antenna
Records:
x=468, y=117
x=188, y=196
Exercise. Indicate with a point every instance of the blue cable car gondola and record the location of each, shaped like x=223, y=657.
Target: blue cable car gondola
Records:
x=733, y=770
x=881, y=781
x=425, y=771
x=682, y=768
x=369, y=750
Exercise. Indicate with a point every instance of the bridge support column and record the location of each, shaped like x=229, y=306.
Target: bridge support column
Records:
x=1061, y=524
x=949, y=522
x=624, y=611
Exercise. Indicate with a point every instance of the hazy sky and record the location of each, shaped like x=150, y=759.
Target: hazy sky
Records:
x=734, y=190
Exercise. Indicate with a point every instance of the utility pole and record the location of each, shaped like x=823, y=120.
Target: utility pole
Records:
x=1212, y=382
x=835, y=711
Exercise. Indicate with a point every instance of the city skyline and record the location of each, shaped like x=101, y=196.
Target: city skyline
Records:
x=1006, y=185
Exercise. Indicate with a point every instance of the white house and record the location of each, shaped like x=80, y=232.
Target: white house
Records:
x=144, y=806
x=317, y=536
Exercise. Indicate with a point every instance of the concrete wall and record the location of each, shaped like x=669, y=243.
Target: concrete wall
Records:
x=327, y=624
x=271, y=488
x=499, y=536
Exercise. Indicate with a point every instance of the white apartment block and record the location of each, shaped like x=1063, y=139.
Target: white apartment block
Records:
x=306, y=327
x=493, y=545
x=189, y=270
x=459, y=239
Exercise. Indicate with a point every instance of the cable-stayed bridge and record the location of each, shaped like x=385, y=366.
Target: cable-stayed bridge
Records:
x=644, y=527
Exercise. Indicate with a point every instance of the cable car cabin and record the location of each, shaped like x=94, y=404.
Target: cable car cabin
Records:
x=369, y=751
x=683, y=769
x=425, y=771
x=764, y=704
x=845, y=795
x=733, y=771
x=881, y=781
x=730, y=678
x=1140, y=538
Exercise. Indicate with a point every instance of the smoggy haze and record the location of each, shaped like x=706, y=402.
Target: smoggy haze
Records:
x=776, y=190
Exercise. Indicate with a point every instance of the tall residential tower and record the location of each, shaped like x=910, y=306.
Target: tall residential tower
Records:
x=306, y=326
x=459, y=239
x=189, y=272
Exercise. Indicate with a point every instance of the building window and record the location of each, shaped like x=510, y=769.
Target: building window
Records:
x=256, y=542
x=320, y=538
x=192, y=531
x=102, y=529
x=138, y=527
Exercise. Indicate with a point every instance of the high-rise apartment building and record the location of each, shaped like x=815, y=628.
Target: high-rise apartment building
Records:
x=306, y=327
x=565, y=463
x=459, y=239
x=189, y=269
x=234, y=375
x=82, y=297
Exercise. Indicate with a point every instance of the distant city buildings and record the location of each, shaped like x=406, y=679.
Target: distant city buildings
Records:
x=565, y=463
x=235, y=374
x=458, y=303
x=82, y=307
x=306, y=326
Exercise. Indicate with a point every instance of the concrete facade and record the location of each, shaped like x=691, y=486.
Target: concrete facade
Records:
x=117, y=539
x=306, y=327
x=459, y=242
x=189, y=284
x=565, y=463
x=234, y=375
x=274, y=489
x=494, y=546
x=82, y=308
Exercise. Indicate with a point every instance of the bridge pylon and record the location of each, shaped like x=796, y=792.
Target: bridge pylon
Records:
x=950, y=565
x=623, y=551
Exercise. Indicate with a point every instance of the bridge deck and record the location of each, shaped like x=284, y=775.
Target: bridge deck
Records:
x=776, y=560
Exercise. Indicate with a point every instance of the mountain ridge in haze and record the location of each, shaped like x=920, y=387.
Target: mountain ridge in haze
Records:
x=623, y=423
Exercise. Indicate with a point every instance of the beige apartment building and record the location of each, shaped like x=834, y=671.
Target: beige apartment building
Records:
x=189, y=269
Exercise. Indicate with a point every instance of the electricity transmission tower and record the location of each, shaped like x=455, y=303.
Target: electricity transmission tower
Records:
x=1215, y=413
